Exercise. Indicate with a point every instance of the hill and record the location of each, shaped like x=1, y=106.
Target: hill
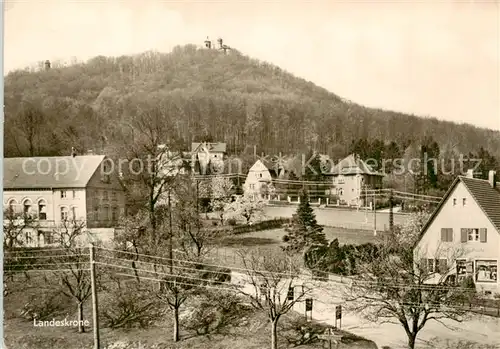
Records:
x=203, y=95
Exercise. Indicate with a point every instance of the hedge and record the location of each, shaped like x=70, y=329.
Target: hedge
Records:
x=264, y=225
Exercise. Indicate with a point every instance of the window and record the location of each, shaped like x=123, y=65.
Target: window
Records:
x=454, y=201
x=75, y=194
x=114, y=195
x=252, y=186
x=27, y=238
x=96, y=213
x=73, y=212
x=64, y=213
x=260, y=175
x=48, y=237
x=105, y=195
x=114, y=214
x=42, y=210
x=447, y=234
x=486, y=271
x=106, y=213
x=431, y=265
x=12, y=206
x=464, y=201
x=63, y=194
x=461, y=268
x=473, y=234
x=26, y=207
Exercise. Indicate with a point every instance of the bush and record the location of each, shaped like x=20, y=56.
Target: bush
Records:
x=231, y=221
x=216, y=312
x=128, y=306
x=264, y=225
x=298, y=331
x=45, y=306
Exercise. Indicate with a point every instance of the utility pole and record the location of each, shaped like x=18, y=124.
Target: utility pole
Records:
x=95, y=307
x=374, y=215
x=391, y=211
x=170, y=237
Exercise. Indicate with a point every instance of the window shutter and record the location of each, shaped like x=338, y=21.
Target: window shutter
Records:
x=483, y=235
x=444, y=232
x=463, y=235
x=450, y=235
x=443, y=266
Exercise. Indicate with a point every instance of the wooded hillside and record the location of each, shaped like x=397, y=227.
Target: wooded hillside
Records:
x=203, y=95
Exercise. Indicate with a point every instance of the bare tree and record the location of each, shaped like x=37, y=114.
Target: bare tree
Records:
x=393, y=288
x=73, y=276
x=154, y=157
x=275, y=285
x=14, y=225
x=30, y=122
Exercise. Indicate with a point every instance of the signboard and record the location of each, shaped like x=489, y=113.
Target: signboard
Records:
x=338, y=312
x=290, y=294
x=309, y=304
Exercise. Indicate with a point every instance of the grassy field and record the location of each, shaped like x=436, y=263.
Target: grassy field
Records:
x=249, y=332
x=226, y=249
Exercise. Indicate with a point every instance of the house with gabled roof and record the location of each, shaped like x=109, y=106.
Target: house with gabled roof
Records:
x=259, y=178
x=55, y=190
x=350, y=176
x=207, y=155
x=462, y=236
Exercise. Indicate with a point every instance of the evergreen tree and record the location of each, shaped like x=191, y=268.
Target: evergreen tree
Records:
x=304, y=231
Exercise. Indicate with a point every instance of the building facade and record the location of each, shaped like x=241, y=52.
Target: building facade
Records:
x=56, y=192
x=258, y=180
x=462, y=237
x=208, y=158
x=350, y=177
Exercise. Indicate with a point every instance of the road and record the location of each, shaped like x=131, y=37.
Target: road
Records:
x=343, y=218
x=479, y=329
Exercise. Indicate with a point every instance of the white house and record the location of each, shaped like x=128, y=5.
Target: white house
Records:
x=55, y=190
x=258, y=180
x=350, y=176
x=463, y=234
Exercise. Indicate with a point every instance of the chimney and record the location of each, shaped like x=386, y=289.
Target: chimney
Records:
x=219, y=40
x=73, y=151
x=492, y=178
x=47, y=64
x=90, y=152
x=470, y=173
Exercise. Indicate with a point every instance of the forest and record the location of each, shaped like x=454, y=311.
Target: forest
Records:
x=205, y=95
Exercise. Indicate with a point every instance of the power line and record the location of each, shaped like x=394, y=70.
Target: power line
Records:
x=44, y=270
x=47, y=250
x=37, y=257
x=159, y=273
x=302, y=274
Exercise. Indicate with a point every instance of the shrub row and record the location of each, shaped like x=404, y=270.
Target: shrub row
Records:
x=264, y=225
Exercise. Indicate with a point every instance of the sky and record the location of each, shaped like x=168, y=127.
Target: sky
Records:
x=429, y=58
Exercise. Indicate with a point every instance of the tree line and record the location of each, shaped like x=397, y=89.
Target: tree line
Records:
x=204, y=95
